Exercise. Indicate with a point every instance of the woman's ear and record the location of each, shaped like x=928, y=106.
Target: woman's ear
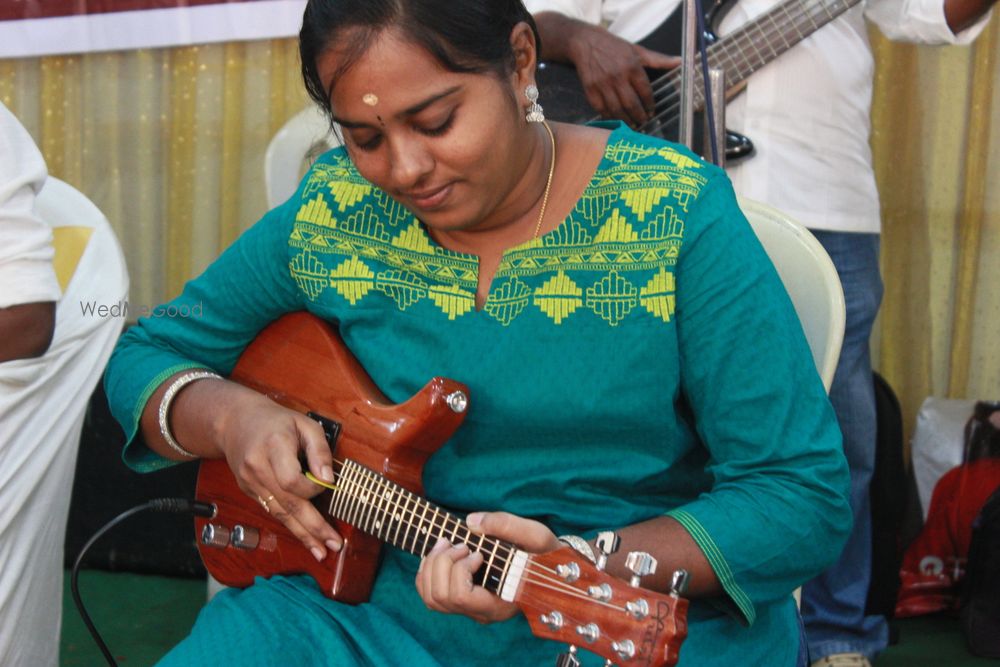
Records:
x=522, y=41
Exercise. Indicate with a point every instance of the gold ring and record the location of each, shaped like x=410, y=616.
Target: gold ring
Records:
x=264, y=502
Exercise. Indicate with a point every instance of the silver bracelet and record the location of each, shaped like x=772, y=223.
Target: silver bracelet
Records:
x=580, y=545
x=168, y=398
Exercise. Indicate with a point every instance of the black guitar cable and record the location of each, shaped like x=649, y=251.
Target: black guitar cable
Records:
x=172, y=505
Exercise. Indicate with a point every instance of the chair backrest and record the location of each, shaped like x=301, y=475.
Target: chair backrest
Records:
x=810, y=279
x=293, y=149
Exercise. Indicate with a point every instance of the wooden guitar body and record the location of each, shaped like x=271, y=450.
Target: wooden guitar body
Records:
x=379, y=453
x=300, y=363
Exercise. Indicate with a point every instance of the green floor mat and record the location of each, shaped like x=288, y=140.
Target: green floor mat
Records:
x=141, y=617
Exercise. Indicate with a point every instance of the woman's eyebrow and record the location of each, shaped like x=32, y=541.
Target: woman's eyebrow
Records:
x=409, y=111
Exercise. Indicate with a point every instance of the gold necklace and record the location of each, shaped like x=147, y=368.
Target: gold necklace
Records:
x=548, y=183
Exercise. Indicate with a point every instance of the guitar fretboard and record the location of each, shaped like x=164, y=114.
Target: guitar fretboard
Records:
x=387, y=511
x=746, y=50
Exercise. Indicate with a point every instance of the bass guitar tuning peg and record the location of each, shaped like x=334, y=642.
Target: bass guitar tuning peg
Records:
x=568, y=659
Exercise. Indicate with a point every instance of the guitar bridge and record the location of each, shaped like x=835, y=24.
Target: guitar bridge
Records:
x=331, y=429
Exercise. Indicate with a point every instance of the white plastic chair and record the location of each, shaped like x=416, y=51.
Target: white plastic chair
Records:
x=292, y=150
x=43, y=402
x=810, y=279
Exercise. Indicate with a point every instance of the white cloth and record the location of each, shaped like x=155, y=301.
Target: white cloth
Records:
x=807, y=112
x=26, y=273
x=42, y=406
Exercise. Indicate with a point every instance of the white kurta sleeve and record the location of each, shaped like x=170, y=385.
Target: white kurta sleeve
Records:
x=582, y=10
x=920, y=21
x=26, y=273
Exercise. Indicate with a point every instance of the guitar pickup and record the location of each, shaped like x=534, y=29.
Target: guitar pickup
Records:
x=331, y=429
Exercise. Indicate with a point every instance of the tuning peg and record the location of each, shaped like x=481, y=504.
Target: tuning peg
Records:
x=568, y=659
x=679, y=583
x=607, y=542
x=640, y=564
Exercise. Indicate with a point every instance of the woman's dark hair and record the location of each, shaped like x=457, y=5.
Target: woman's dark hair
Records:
x=464, y=35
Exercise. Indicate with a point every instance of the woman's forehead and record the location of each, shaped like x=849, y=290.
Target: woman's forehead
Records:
x=392, y=73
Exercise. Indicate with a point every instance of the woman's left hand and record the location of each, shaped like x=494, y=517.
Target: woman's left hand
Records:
x=444, y=579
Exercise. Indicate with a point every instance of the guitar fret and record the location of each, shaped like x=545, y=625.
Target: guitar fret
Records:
x=378, y=502
x=367, y=502
x=398, y=514
x=421, y=529
x=411, y=523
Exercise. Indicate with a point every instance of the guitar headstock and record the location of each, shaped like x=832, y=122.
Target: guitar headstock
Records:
x=567, y=599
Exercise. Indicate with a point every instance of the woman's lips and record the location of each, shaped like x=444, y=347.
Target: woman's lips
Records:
x=429, y=199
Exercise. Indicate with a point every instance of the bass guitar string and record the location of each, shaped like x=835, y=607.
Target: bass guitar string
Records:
x=729, y=48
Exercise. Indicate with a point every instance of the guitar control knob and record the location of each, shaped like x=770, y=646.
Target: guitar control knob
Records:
x=607, y=543
x=457, y=401
x=640, y=564
x=568, y=659
x=625, y=649
x=570, y=572
x=553, y=620
x=679, y=583
x=590, y=632
x=244, y=537
x=215, y=535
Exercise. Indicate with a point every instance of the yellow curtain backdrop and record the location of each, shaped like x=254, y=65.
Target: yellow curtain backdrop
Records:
x=169, y=143
x=936, y=143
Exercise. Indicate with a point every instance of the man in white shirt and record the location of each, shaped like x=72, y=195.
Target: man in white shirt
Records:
x=52, y=355
x=807, y=114
x=28, y=287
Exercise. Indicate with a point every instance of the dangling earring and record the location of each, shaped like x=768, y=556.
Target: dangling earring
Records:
x=535, y=114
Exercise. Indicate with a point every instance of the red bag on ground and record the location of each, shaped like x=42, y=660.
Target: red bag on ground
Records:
x=934, y=564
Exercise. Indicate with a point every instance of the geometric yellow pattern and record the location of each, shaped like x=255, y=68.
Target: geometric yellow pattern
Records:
x=612, y=298
x=352, y=279
x=625, y=231
x=658, y=295
x=558, y=297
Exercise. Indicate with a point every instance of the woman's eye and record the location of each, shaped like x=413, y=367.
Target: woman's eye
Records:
x=440, y=129
x=370, y=144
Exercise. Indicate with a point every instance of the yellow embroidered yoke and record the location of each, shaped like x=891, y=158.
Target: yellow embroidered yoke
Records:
x=641, y=359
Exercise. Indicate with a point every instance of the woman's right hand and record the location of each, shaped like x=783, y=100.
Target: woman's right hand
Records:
x=261, y=441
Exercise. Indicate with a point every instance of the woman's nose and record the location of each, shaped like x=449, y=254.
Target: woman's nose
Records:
x=410, y=162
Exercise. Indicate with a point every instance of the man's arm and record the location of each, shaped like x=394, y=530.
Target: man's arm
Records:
x=26, y=330
x=960, y=14
x=611, y=69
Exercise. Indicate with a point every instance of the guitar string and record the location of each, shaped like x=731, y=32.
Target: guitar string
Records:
x=736, y=45
x=534, y=571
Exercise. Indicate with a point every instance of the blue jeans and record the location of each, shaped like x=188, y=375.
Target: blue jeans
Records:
x=833, y=604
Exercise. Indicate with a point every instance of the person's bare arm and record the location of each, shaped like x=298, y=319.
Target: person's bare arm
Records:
x=260, y=440
x=611, y=70
x=960, y=14
x=26, y=330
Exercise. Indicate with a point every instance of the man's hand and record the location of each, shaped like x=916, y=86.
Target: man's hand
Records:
x=611, y=70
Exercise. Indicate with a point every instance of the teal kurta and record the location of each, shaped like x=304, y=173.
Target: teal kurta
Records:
x=641, y=359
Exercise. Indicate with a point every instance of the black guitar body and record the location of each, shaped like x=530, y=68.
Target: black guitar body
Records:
x=563, y=99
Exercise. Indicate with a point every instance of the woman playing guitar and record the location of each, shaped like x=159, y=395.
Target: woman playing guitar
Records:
x=632, y=364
